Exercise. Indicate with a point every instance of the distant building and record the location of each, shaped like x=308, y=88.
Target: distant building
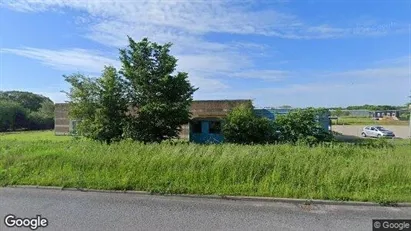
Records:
x=358, y=113
x=354, y=113
x=384, y=113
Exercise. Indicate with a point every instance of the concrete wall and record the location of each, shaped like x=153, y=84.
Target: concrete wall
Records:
x=61, y=121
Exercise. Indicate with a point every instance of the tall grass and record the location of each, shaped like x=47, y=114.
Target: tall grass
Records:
x=333, y=171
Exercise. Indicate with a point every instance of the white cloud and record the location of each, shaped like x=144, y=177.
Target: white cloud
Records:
x=325, y=94
x=390, y=84
x=212, y=63
x=187, y=23
x=405, y=60
x=394, y=69
x=92, y=63
x=56, y=97
x=272, y=75
x=392, y=73
x=178, y=18
x=68, y=60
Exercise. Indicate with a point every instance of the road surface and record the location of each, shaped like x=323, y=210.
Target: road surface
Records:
x=69, y=210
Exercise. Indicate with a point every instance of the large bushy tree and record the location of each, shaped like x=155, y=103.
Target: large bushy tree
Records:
x=160, y=97
x=100, y=105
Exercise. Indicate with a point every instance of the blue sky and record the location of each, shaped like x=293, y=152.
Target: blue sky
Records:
x=277, y=52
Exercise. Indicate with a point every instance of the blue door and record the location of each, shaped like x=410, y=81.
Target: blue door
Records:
x=206, y=131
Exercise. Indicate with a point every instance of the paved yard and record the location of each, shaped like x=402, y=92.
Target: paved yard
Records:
x=355, y=130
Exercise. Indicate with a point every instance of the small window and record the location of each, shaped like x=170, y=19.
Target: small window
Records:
x=215, y=127
x=196, y=126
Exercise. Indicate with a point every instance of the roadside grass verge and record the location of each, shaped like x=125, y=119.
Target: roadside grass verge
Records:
x=367, y=172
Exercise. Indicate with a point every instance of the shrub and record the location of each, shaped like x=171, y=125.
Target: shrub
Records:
x=243, y=126
x=405, y=115
x=301, y=126
x=39, y=121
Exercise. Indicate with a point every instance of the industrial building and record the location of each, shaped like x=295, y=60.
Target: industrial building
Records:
x=205, y=124
x=385, y=113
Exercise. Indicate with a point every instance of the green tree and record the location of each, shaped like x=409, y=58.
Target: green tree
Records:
x=285, y=107
x=162, y=100
x=100, y=105
x=243, y=126
x=28, y=100
x=12, y=116
x=339, y=112
x=38, y=110
x=47, y=109
x=43, y=118
x=302, y=125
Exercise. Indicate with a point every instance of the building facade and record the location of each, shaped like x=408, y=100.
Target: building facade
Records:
x=205, y=126
x=385, y=113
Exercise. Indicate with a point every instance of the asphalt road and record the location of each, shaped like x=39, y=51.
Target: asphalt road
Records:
x=68, y=210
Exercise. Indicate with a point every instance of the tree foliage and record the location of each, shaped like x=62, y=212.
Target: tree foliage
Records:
x=12, y=116
x=162, y=100
x=100, y=105
x=243, y=126
x=302, y=125
x=28, y=100
x=25, y=110
x=144, y=101
x=339, y=112
x=374, y=107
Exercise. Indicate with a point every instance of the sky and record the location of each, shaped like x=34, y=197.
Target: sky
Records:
x=276, y=52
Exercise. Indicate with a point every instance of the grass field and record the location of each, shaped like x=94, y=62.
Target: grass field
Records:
x=367, y=121
x=338, y=171
x=32, y=136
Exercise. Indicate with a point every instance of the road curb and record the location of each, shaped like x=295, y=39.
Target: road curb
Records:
x=222, y=197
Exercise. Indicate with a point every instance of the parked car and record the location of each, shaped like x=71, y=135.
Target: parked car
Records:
x=376, y=131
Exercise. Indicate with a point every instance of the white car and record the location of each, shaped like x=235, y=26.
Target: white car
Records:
x=376, y=131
